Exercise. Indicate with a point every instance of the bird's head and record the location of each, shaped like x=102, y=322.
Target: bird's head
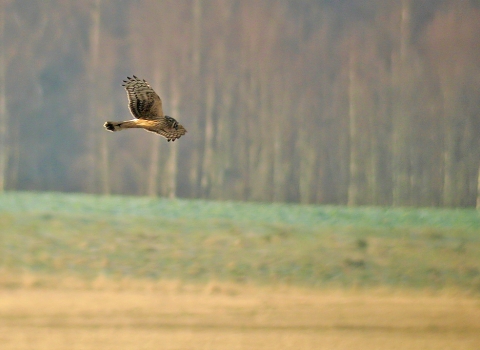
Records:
x=173, y=121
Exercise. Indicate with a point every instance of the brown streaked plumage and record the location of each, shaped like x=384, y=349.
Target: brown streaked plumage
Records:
x=146, y=107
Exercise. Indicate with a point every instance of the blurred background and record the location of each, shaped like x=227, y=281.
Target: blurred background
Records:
x=368, y=110
x=310, y=101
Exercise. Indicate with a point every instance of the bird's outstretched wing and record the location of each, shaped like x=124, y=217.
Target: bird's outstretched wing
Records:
x=143, y=101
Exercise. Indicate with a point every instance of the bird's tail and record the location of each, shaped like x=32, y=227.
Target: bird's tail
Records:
x=117, y=126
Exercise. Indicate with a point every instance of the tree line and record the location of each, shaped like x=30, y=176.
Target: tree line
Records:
x=311, y=101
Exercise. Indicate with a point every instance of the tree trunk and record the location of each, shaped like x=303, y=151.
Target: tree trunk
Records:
x=306, y=155
x=400, y=115
x=104, y=154
x=93, y=70
x=154, y=163
x=152, y=187
x=196, y=160
x=449, y=146
x=3, y=104
x=478, y=189
x=172, y=162
x=207, y=166
x=354, y=142
x=278, y=192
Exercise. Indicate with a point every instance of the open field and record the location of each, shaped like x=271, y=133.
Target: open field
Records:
x=217, y=316
x=89, y=272
x=197, y=241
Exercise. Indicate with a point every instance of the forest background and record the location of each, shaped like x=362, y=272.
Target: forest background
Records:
x=371, y=102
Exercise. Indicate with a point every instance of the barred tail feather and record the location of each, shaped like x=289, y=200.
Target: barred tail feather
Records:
x=113, y=126
x=117, y=126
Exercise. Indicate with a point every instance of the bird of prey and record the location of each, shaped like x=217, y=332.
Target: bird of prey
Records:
x=146, y=107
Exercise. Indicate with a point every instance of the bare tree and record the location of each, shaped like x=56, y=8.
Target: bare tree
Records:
x=172, y=162
x=207, y=164
x=3, y=103
x=97, y=149
x=400, y=114
x=154, y=163
x=353, y=130
x=272, y=113
x=196, y=64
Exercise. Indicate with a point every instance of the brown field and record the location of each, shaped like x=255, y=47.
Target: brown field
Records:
x=170, y=315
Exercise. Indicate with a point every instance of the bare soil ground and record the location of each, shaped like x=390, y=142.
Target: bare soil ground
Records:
x=220, y=316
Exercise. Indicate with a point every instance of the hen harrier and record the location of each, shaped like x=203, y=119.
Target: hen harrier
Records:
x=146, y=107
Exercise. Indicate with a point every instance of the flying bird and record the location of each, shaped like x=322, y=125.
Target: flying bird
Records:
x=146, y=107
